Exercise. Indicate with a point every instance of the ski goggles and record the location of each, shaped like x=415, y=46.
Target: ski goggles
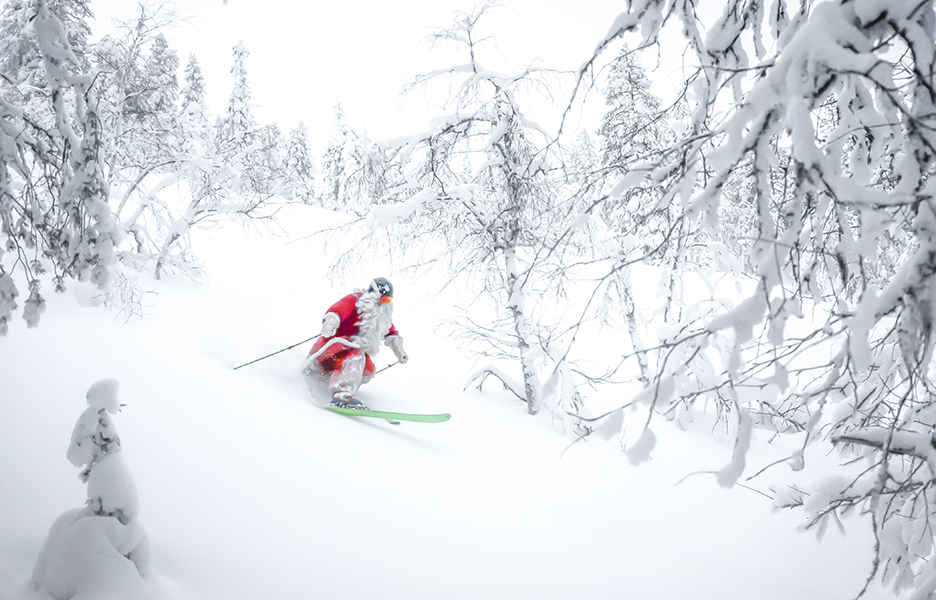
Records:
x=386, y=299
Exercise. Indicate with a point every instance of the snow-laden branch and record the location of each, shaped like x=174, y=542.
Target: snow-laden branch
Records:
x=816, y=125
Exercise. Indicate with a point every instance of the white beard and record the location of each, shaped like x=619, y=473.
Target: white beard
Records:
x=376, y=320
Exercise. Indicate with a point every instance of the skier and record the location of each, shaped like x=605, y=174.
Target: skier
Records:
x=352, y=331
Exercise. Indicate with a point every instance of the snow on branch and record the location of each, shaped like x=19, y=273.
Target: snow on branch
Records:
x=920, y=445
x=811, y=123
x=387, y=214
x=508, y=382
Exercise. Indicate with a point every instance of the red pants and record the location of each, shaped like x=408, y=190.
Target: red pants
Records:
x=345, y=367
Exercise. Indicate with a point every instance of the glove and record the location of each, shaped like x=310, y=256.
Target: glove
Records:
x=330, y=323
x=396, y=344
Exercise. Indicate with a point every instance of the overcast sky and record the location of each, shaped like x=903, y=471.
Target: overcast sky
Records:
x=306, y=56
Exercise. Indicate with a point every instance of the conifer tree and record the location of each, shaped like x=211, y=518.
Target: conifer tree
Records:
x=236, y=130
x=194, y=125
x=333, y=163
x=265, y=167
x=299, y=165
x=351, y=170
x=251, y=152
x=634, y=129
x=193, y=87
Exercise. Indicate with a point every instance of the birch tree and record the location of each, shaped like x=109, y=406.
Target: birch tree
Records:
x=478, y=199
x=826, y=110
x=138, y=72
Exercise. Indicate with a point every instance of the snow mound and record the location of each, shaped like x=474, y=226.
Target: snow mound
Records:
x=98, y=551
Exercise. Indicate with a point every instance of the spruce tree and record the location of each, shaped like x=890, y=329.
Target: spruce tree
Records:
x=355, y=170
x=236, y=130
x=194, y=127
x=299, y=165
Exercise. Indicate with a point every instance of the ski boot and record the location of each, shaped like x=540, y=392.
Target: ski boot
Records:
x=346, y=400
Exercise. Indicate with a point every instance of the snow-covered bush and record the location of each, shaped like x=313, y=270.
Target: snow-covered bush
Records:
x=100, y=548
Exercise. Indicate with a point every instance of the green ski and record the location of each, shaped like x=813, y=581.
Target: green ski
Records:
x=390, y=416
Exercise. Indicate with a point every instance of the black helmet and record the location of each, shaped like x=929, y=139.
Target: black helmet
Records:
x=382, y=286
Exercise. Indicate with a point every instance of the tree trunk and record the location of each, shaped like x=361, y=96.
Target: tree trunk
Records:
x=522, y=329
x=630, y=317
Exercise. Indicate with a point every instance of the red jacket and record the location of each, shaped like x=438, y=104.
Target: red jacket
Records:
x=346, y=309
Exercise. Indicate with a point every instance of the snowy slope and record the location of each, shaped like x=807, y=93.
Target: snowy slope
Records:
x=249, y=490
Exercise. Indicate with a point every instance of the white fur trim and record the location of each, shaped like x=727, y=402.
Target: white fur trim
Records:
x=376, y=320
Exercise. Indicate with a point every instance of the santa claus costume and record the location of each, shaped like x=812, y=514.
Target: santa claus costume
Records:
x=352, y=331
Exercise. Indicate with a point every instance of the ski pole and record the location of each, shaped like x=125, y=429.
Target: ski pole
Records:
x=387, y=367
x=277, y=352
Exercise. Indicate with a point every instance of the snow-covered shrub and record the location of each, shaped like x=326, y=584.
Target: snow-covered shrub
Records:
x=101, y=547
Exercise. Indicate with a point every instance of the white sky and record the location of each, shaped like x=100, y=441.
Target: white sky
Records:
x=306, y=56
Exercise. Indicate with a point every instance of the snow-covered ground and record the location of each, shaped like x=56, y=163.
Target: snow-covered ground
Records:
x=248, y=490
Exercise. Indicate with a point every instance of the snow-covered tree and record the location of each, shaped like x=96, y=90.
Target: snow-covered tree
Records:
x=634, y=128
x=150, y=146
x=193, y=87
x=237, y=129
x=139, y=72
x=354, y=169
x=54, y=213
x=299, y=165
x=333, y=161
x=200, y=167
x=229, y=173
x=92, y=549
x=197, y=140
x=266, y=162
x=823, y=110
x=477, y=196
x=23, y=80
x=251, y=152
x=582, y=164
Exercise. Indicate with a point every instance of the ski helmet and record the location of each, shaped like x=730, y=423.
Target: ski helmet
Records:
x=382, y=286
